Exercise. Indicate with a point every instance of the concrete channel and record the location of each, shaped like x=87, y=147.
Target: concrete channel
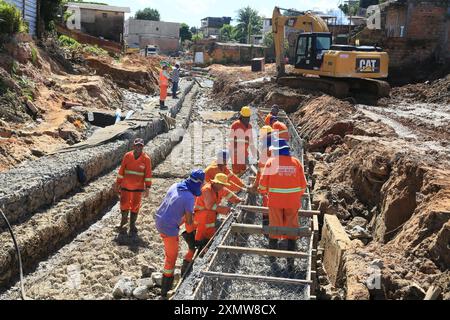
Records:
x=50, y=206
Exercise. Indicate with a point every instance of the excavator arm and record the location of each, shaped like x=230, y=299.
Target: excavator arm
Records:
x=307, y=22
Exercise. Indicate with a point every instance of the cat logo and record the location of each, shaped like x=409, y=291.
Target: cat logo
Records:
x=364, y=65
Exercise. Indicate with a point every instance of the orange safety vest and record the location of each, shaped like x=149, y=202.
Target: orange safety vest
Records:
x=163, y=80
x=281, y=129
x=284, y=182
x=234, y=180
x=206, y=205
x=267, y=119
x=135, y=174
x=240, y=139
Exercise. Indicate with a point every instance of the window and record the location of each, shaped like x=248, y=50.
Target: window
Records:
x=301, y=49
x=323, y=43
x=105, y=15
x=73, y=21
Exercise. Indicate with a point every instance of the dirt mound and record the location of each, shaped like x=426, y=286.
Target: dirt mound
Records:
x=437, y=91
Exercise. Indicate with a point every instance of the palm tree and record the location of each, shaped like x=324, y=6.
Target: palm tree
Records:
x=249, y=23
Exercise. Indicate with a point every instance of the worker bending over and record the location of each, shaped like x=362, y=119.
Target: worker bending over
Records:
x=133, y=179
x=279, y=128
x=284, y=182
x=273, y=112
x=176, y=208
x=207, y=206
x=241, y=141
x=220, y=166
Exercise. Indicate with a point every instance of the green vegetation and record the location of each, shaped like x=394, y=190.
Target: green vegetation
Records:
x=185, y=33
x=73, y=44
x=96, y=50
x=227, y=33
x=11, y=20
x=249, y=23
x=34, y=55
x=197, y=36
x=147, y=14
x=69, y=42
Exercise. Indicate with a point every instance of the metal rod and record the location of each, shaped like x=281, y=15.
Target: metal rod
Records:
x=235, y=276
x=263, y=252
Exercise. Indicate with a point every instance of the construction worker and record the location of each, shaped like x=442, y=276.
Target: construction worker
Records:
x=280, y=128
x=265, y=141
x=175, y=75
x=163, y=84
x=273, y=112
x=220, y=166
x=284, y=182
x=241, y=141
x=176, y=208
x=133, y=179
x=207, y=206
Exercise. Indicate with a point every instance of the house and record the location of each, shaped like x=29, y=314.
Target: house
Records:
x=29, y=11
x=210, y=26
x=164, y=35
x=97, y=20
x=209, y=52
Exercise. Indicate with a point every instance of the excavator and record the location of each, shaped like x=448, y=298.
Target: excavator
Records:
x=339, y=70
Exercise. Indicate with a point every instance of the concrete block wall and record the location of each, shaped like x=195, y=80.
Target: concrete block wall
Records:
x=39, y=183
x=426, y=20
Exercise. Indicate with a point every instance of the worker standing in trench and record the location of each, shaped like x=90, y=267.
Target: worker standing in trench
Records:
x=273, y=112
x=176, y=208
x=241, y=141
x=175, y=75
x=279, y=128
x=284, y=181
x=133, y=180
x=163, y=84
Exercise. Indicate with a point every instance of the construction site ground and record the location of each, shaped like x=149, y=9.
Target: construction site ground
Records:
x=382, y=169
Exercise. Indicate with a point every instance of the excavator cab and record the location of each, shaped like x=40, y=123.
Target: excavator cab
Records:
x=310, y=49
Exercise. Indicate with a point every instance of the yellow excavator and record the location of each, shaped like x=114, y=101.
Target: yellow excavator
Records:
x=339, y=70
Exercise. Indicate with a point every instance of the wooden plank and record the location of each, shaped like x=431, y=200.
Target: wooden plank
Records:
x=263, y=252
x=247, y=277
x=257, y=229
x=315, y=224
x=258, y=209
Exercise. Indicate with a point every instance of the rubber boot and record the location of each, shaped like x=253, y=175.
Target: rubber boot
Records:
x=133, y=218
x=162, y=105
x=166, y=286
x=273, y=244
x=123, y=221
x=184, y=267
x=291, y=246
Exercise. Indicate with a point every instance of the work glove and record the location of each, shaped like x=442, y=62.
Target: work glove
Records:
x=190, y=239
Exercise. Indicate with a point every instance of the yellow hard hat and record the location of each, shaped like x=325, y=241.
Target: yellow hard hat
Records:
x=246, y=112
x=265, y=130
x=221, y=178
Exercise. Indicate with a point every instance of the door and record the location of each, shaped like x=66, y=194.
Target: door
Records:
x=304, y=54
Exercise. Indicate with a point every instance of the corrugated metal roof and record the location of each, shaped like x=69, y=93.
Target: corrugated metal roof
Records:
x=30, y=15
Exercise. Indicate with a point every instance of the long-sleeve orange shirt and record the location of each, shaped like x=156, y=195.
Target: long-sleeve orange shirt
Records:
x=234, y=180
x=284, y=181
x=135, y=174
x=241, y=140
x=210, y=200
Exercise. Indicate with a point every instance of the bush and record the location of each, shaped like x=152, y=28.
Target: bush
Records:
x=96, y=50
x=69, y=42
x=11, y=19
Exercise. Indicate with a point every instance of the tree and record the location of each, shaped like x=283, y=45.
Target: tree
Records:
x=349, y=10
x=197, y=36
x=147, y=14
x=366, y=3
x=268, y=39
x=185, y=33
x=227, y=33
x=48, y=13
x=194, y=30
x=249, y=23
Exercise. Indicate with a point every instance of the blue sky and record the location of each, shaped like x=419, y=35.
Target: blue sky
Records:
x=192, y=11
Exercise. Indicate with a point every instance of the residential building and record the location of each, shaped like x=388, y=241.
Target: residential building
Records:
x=101, y=21
x=29, y=11
x=210, y=26
x=164, y=35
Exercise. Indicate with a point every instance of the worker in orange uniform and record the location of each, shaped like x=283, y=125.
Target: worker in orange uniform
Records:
x=134, y=178
x=273, y=112
x=241, y=141
x=220, y=166
x=265, y=141
x=163, y=84
x=207, y=206
x=177, y=208
x=284, y=182
x=280, y=128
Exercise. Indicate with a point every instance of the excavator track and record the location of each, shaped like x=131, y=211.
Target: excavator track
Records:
x=340, y=88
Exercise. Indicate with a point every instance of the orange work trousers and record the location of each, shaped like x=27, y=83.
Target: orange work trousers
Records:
x=206, y=225
x=279, y=217
x=130, y=201
x=162, y=93
x=171, y=254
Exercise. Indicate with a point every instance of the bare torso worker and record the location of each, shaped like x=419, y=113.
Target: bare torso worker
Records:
x=220, y=166
x=241, y=141
x=163, y=85
x=134, y=179
x=273, y=112
x=176, y=208
x=207, y=206
x=284, y=182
